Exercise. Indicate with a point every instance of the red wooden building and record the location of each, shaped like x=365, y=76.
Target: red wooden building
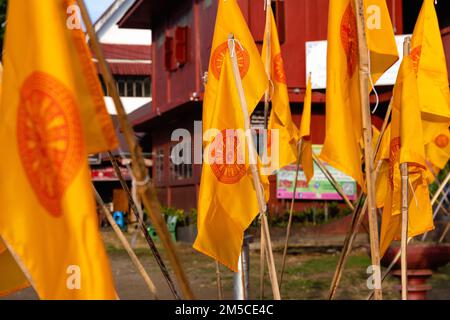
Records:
x=182, y=34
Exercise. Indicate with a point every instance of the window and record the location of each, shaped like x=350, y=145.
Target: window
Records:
x=159, y=165
x=176, y=49
x=134, y=86
x=181, y=171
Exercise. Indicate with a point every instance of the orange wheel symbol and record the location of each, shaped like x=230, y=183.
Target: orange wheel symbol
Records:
x=415, y=57
x=278, y=72
x=226, y=164
x=441, y=141
x=243, y=59
x=49, y=138
x=349, y=39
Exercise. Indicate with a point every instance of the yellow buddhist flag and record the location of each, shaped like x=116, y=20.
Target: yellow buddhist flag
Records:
x=380, y=38
x=227, y=198
x=48, y=112
x=280, y=116
x=382, y=163
x=406, y=146
x=427, y=53
x=305, y=134
x=12, y=278
x=343, y=110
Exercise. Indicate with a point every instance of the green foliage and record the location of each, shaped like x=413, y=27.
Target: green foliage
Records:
x=183, y=218
x=313, y=215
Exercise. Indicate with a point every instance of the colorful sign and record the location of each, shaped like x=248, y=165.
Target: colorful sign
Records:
x=319, y=188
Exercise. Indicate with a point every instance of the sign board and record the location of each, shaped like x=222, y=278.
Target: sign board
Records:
x=316, y=63
x=319, y=188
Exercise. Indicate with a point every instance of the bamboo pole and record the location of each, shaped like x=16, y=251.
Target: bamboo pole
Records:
x=394, y=261
x=143, y=228
x=254, y=170
x=389, y=268
x=266, y=120
x=291, y=210
x=404, y=197
x=219, y=281
x=447, y=227
x=333, y=181
x=357, y=215
x=404, y=235
x=243, y=279
x=364, y=70
x=262, y=263
x=151, y=287
x=145, y=188
x=436, y=210
x=441, y=187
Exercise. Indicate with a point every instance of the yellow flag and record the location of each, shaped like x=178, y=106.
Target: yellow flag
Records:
x=406, y=147
x=427, y=53
x=50, y=225
x=12, y=278
x=380, y=38
x=280, y=116
x=343, y=111
x=305, y=134
x=227, y=198
x=254, y=78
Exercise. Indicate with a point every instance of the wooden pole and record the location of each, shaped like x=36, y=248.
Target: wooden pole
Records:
x=219, y=281
x=447, y=227
x=404, y=235
x=254, y=169
x=358, y=216
x=143, y=228
x=145, y=188
x=346, y=248
x=291, y=211
x=266, y=124
x=394, y=261
x=262, y=263
x=389, y=269
x=243, y=279
x=364, y=70
x=404, y=197
x=441, y=187
x=333, y=181
x=151, y=287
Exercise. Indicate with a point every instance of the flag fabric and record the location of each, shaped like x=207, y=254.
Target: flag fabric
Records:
x=342, y=147
x=380, y=38
x=427, y=53
x=406, y=146
x=12, y=278
x=383, y=155
x=305, y=134
x=227, y=199
x=50, y=119
x=280, y=116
